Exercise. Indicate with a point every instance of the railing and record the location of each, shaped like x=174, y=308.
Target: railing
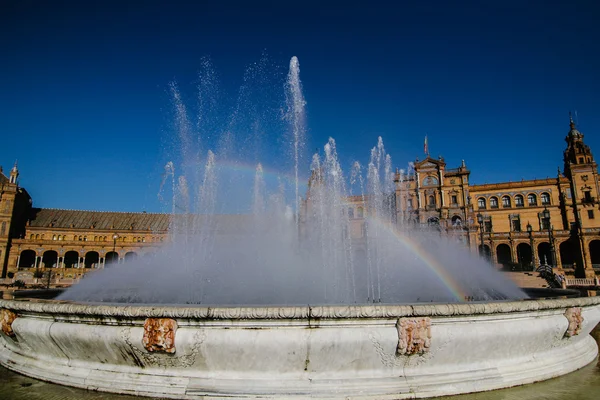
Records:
x=581, y=282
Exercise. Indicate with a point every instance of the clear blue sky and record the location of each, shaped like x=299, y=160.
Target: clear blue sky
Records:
x=84, y=102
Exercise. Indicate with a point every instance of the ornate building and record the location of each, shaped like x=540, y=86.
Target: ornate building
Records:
x=554, y=221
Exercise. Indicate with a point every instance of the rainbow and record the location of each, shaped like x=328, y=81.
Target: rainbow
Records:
x=250, y=169
x=433, y=264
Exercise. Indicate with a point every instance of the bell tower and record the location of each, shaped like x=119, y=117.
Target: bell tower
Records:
x=577, y=155
x=583, y=198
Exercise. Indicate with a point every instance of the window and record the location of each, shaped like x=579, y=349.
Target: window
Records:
x=360, y=212
x=591, y=214
x=481, y=202
x=351, y=212
x=532, y=199
x=545, y=224
x=568, y=192
x=506, y=202
x=515, y=224
x=3, y=230
x=410, y=204
x=519, y=201
x=432, y=200
x=53, y=237
x=454, y=199
x=545, y=197
x=587, y=196
x=580, y=160
x=493, y=202
x=487, y=225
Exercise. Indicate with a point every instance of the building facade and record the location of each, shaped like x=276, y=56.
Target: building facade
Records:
x=521, y=224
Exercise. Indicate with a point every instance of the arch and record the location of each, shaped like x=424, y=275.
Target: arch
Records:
x=481, y=203
x=545, y=199
x=430, y=181
x=595, y=253
x=544, y=253
x=524, y=255
x=568, y=251
x=493, y=202
x=130, y=256
x=71, y=259
x=531, y=199
x=112, y=257
x=27, y=259
x=485, y=252
x=92, y=258
x=32, y=236
x=50, y=259
x=503, y=254
x=456, y=221
x=360, y=212
x=519, y=202
x=506, y=202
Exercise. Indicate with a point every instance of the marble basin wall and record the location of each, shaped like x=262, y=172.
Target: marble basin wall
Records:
x=377, y=352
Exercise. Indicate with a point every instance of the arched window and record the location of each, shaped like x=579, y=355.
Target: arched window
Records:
x=545, y=197
x=32, y=236
x=481, y=202
x=493, y=202
x=359, y=211
x=519, y=201
x=53, y=237
x=505, y=201
x=456, y=221
x=350, y=212
x=532, y=199
x=432, y=200
x=37, y=237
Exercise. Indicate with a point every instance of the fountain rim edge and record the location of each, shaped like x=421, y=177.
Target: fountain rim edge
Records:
x=294, y=312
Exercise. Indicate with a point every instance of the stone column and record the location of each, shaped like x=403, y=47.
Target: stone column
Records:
x=587, y=261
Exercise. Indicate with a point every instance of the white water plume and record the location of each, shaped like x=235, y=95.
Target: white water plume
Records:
x=329, y=248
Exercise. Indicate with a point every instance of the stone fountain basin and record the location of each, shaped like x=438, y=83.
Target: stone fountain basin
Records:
x=338, y=352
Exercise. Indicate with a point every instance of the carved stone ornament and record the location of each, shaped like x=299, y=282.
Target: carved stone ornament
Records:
x=159, y=335
x=414, y=335
x=575, y=319
x=7, y=317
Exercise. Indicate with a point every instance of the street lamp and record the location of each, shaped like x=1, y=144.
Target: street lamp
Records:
x=546, y=216
x=115, y=237
x=480, y=222
x=530, y=232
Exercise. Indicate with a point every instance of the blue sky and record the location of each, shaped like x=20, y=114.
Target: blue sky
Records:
x=85, y=105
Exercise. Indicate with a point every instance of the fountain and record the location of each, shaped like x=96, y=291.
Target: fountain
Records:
x=283, y=301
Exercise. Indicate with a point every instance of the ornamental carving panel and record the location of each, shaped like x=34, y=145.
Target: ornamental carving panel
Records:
x=159, y=335
x=414, y=335
x=7, y=317
x=575, y=319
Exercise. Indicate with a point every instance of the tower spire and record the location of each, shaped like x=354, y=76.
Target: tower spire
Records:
x=14, y=173
x=571, y=123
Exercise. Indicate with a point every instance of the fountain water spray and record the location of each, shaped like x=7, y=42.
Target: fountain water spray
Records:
x=330, y=248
